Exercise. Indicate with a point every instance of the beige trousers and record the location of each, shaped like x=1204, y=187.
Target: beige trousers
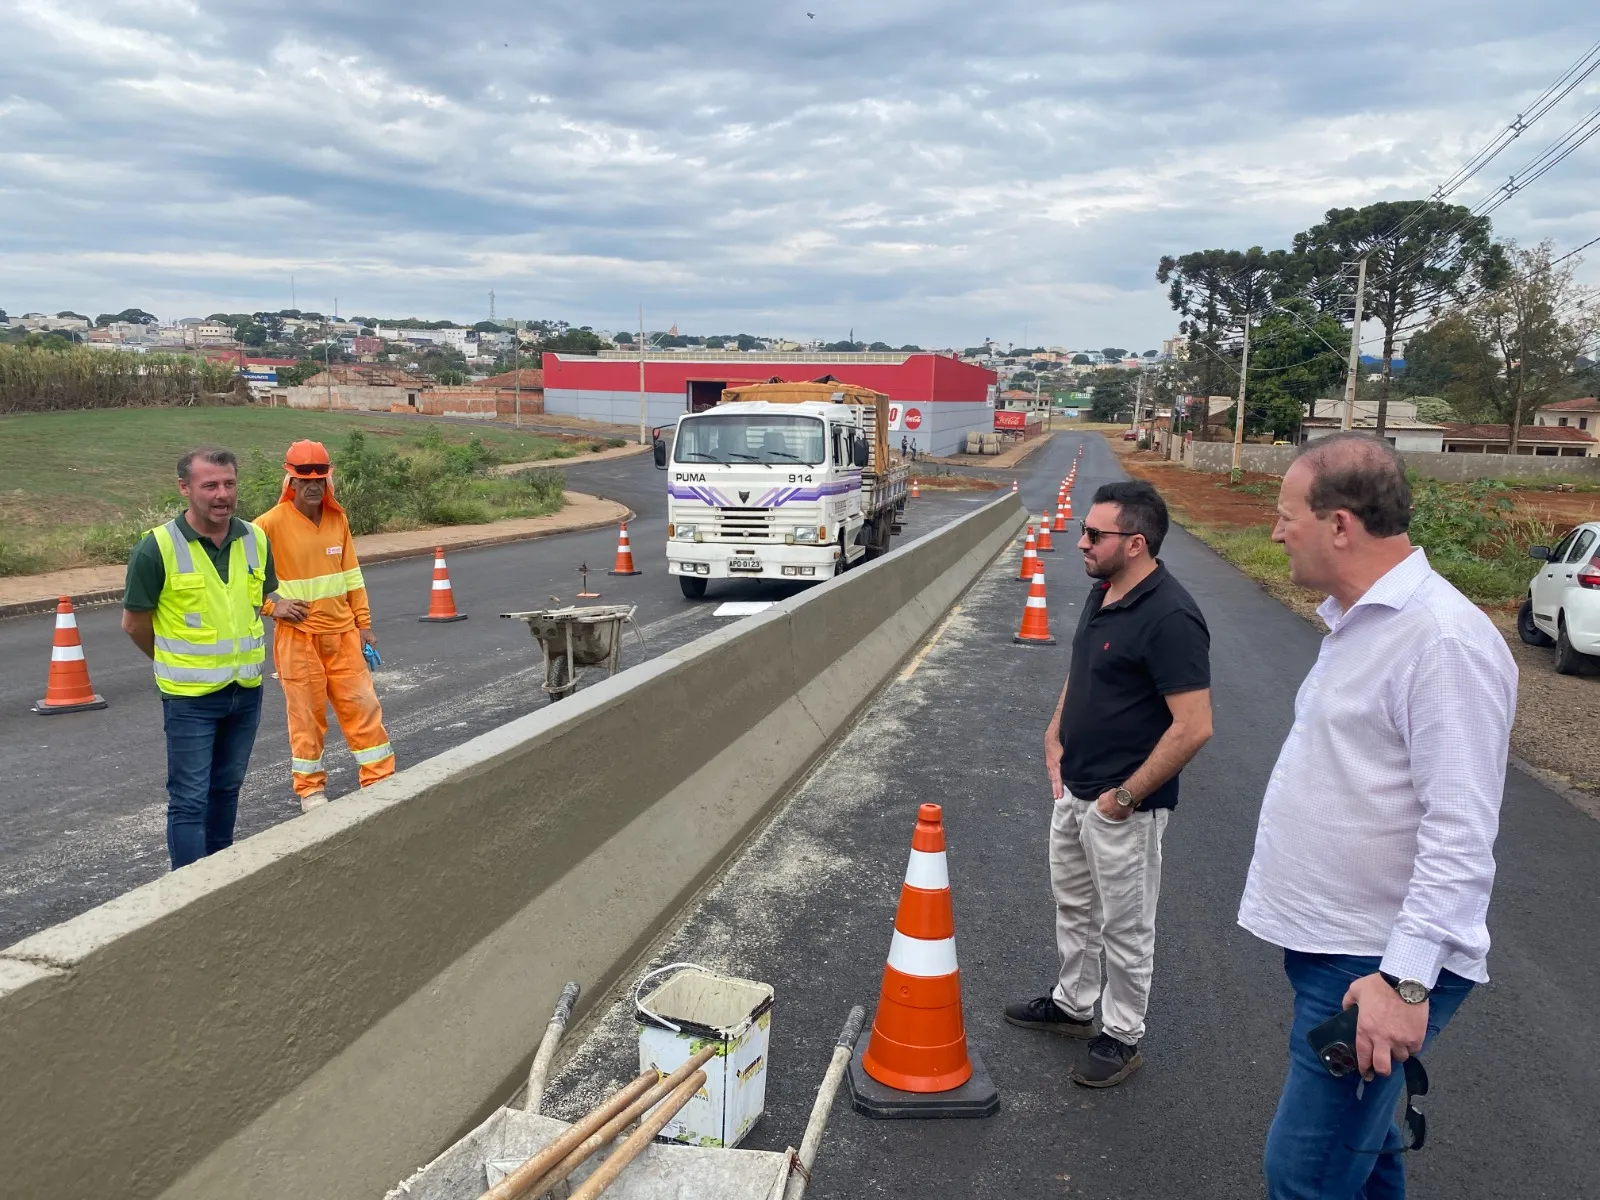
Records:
x=1106, y=876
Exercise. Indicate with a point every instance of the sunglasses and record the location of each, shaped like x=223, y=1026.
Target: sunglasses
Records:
x=1414, y=1123
x=310, y=470
x=1094, y=535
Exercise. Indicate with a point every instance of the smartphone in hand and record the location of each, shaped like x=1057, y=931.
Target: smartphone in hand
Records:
x=1334, y=1042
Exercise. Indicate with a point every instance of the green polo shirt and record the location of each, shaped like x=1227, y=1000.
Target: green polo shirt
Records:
x=147, y=574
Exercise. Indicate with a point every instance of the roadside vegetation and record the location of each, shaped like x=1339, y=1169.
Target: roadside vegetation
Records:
x=82, y=487
x=59, y=376
x=1468, y=530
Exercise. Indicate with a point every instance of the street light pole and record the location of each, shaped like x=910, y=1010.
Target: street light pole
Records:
x=516, y=365
x=1238, y=419
x=1347, y=418
x=643, y=410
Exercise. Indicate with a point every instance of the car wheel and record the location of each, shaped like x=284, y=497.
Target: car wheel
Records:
x=1568, y=660
x=1527, y=630
x=693, y=586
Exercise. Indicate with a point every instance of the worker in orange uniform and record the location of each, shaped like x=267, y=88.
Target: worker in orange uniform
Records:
x=319, y=657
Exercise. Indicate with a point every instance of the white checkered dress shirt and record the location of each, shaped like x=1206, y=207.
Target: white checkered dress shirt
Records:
x=1377, y=830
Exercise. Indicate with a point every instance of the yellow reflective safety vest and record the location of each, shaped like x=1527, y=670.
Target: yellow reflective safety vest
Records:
x=209, y=633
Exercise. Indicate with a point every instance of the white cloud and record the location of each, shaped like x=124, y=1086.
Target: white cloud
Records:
x=928, y=172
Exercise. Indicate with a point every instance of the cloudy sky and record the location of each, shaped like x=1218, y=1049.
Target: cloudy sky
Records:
x=925, y=171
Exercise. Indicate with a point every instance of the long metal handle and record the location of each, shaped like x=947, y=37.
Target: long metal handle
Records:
x=540, y=1070
x=800, y=1174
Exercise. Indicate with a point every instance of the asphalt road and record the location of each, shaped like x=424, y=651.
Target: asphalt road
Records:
x=83, y=807
x=809, y=905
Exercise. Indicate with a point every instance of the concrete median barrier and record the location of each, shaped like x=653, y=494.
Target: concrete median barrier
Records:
x=321, y=1008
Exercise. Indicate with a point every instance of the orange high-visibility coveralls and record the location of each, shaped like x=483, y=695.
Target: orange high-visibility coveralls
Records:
x=319, y=659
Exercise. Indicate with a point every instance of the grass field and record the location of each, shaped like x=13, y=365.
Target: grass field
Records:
x=74, y=483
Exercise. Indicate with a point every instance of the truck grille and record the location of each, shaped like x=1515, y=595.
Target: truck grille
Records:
x=744, y=524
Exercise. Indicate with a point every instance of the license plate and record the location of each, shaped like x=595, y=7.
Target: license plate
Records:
x=744, y=564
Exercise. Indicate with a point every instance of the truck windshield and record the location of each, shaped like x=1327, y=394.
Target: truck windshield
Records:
x=737, y=438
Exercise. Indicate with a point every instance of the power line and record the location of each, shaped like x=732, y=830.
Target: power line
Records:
x=1585, y=66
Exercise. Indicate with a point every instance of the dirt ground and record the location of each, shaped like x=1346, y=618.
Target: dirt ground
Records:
x=1206, y=493
x=1555, y=728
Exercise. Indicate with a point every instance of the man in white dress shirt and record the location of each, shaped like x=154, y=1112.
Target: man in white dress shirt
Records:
x=1374, y=857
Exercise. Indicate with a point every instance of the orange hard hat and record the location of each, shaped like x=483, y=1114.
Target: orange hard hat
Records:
x=307, y=460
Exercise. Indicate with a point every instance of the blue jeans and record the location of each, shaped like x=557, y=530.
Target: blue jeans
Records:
x=208, y=749
x=1321, y=1140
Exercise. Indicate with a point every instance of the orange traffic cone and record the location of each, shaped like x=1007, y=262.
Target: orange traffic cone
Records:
x=1060, y=523
x=1013, y=487
x=916, y=490
x=1030, y=559
x=1035, y=629
x=1045, y=544
x=624, y=555
x=917, y=1062
x=68, y=688
x=1067, y=508
x=442, y=605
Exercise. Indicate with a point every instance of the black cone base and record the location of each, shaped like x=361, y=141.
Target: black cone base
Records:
x=976, y=1097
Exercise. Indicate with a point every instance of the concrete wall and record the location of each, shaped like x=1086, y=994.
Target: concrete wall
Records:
x=348, y=396
x=325, y=1005
x=945, y=425
x=617, y=408
x=1275, y=460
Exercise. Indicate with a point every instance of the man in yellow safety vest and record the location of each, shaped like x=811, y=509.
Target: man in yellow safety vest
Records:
x=192, y=604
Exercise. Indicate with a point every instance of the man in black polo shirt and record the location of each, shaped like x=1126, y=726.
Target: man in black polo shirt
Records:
x=1136, y=707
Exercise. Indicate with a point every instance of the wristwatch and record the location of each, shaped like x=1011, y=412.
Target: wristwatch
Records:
x=1124, y=798
x=1412, y=991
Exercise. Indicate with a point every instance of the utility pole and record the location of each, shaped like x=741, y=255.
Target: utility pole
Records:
x=491, y=304
x=1347, y=418
x=327, y=366
x=516, y=365
x=643, y=417
x=1238, y=420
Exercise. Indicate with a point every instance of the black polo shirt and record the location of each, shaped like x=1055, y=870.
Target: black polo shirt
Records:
x=1127, y=658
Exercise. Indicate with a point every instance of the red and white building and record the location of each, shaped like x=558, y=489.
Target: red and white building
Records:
x=936, y=398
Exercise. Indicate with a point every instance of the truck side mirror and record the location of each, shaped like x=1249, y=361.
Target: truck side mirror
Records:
x=659, y=448
x=861, y=453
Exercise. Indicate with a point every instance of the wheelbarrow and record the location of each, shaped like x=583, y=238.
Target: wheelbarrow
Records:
x=517, y=1154
x=571, y=638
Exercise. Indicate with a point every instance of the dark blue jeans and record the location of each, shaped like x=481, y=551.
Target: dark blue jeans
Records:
x=208, y=749
x=1321, y=1141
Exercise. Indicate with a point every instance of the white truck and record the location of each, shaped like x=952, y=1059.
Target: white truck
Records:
x=785, y=481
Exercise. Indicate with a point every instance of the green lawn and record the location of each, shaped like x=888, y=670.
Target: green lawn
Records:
x=72, y=480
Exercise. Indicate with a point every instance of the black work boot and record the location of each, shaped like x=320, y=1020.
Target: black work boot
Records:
x=1108, y=1064
x=1044, y=1013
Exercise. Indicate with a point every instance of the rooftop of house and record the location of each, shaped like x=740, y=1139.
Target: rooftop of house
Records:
x=532, y=379
x=1457, y=432
x=1582, y=404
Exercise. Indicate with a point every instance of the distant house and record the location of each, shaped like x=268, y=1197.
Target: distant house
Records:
x=1564, y=441
x=1581, y=414
x=1401, y=427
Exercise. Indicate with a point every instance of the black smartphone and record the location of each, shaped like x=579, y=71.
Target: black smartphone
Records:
x=1334, y=1042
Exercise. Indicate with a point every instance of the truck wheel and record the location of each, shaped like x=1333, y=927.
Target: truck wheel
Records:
x=1527, y=630
x=693, y=586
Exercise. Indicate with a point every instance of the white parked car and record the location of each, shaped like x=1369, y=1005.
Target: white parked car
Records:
x=1563, y=604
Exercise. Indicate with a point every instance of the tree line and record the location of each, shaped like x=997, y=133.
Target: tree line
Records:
x=1491, y=328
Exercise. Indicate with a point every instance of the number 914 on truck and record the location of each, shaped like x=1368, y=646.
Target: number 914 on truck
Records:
x=785, y=481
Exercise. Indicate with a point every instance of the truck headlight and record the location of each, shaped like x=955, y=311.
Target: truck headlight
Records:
x=685, y=531
x=807, y=534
